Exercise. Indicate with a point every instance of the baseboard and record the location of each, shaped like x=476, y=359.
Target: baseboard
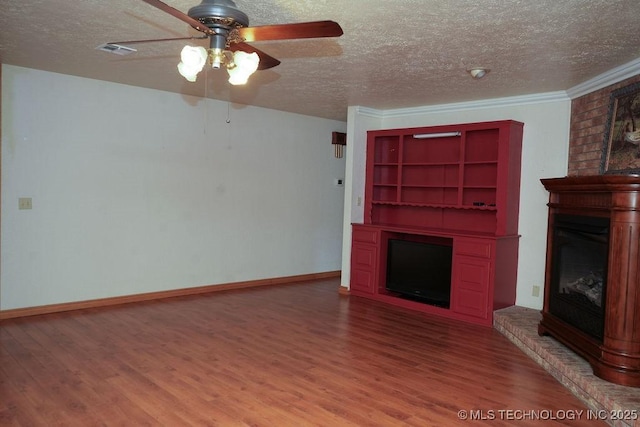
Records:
x=127, y=299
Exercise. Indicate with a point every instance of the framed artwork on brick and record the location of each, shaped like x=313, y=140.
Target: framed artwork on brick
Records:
x=621, y=147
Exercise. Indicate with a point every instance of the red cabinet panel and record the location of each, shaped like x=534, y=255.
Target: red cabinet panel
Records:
x=364, y=256
x=470, y=295
x=365, y=235
x=362, y=281
x=474, y=247
x=364, y=259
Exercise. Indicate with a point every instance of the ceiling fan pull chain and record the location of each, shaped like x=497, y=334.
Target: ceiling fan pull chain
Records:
x=206, y=100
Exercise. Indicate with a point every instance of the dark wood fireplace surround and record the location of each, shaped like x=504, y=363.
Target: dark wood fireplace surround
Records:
x=616, y=357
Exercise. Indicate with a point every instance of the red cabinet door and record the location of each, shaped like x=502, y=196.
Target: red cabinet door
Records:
x=470, y=291
x=363, y=265
x=471, y=281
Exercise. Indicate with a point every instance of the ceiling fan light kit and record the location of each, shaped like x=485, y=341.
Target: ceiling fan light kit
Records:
x=240, y=65
x=227, y=28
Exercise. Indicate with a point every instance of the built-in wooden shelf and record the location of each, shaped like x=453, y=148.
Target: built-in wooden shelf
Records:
x=464, y=186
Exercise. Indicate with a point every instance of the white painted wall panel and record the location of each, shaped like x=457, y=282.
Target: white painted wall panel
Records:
x=136, y=190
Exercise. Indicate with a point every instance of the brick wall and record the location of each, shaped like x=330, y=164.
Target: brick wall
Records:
x=589, y=115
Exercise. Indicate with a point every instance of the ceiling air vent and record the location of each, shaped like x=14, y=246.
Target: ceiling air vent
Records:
x=116, y=49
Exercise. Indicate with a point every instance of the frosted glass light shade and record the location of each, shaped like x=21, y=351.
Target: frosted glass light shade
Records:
x=193, y=60
x=245, y=65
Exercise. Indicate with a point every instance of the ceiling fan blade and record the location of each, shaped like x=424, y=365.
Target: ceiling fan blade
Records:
x=158, y=40
x=266, y=61
x=182, y=16
x=303, y=30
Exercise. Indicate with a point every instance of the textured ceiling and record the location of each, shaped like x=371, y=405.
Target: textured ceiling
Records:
x=393, y=54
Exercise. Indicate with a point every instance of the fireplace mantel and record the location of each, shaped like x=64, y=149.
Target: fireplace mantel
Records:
x=615, y=357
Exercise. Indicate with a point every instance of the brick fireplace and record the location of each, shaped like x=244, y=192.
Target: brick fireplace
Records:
x=589, y=115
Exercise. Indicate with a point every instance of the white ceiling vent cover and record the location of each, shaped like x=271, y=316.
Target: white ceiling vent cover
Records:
x=116, y=49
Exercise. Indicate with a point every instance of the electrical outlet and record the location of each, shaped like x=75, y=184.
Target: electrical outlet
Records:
x=535, y=291
x=24, y=203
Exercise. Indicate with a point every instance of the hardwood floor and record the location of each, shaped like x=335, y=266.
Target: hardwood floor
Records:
x=289, y=355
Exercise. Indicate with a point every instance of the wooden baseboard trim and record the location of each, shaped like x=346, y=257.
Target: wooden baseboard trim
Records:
x=127, y=299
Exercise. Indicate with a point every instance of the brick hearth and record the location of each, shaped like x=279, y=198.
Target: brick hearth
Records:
x=520, y=326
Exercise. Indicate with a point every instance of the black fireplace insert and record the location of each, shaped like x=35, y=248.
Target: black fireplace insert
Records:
x=580, y=249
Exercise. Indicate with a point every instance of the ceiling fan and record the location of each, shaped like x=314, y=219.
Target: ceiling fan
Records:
x=228, y=31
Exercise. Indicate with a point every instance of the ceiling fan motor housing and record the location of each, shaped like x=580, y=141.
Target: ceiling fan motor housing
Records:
x=217, y=14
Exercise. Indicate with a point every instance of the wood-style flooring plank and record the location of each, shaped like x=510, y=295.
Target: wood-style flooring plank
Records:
x=290, y=355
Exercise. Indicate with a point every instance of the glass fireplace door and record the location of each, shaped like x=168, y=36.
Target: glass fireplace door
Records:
x=580, y=249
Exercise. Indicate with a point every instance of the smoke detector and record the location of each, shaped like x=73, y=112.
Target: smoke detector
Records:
x=478, y=73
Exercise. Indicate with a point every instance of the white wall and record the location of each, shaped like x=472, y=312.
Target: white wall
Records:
x=136, y=190
x=546, y=119
x=359, y=121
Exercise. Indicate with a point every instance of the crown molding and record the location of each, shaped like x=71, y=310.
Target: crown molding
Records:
x=464, y=106
x=612, y=76
x=478, y=105
x=369, y=112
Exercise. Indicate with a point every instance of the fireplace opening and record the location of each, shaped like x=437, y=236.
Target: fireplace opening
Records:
x=420, y=270
x=580, y=249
